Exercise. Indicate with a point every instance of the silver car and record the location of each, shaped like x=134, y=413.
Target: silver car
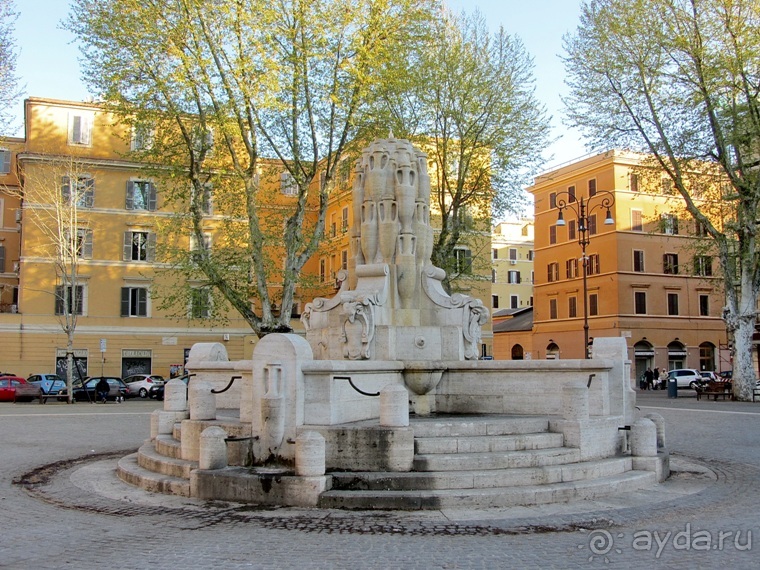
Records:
x=139, y=384
x=686, y=378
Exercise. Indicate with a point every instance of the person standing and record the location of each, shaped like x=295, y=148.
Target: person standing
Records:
x=649, y=379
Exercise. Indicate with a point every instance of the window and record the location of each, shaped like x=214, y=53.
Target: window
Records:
x=571, y=268
x=704, y=305
x=2, y=259
x=513, y=277
x=636, y=224
x=553, y=272
x=571, y=229
x=672, y=304
x=495, y=253
x=634, y=182
x=5, y=161
x=79, y=191
x=572, y=307
x=640, y=302
x=344, y=259
x=322, y=270
x=139, y=246
x=703, y=265
x=344, y=172
x=200, y=303
x=134, y=302
x=204, y=197
x=462, y=260
x=670, y=263
x=593, y=304
x=67, y=303
x=514, y=301
x=592, y=187
x=141, y=195
x=142, y=137
x=200, y=250
x=203, y=138
x=669, y=223
x=493, y=276
x=530, y=255
x=81, y=244
x=666, y=185
x=288, y=184
x=700, y=230
x=638, y=261
x=495, y=301
x=593, y=264
x=571, y=194
x=344, y=220
x=80, y=128
x=552, y=308
x=524, y=231
x=592, y=225
x=552, y=234
x=512, y=254
x=553, y=200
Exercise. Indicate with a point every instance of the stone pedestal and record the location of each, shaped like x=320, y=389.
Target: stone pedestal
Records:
x=213, y=449
x=394, y=406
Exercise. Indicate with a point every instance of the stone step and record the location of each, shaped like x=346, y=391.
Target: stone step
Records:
x=485, y=444
x=177, y=431
x=480, y=426
x=148, y=458
x=167, y=446
x=495, y=460
x=491, y=497
x=389, y=481
x=130, y=472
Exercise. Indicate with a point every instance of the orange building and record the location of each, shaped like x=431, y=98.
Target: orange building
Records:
x=649, y=280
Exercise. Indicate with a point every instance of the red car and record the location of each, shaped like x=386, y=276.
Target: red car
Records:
x=17, y=389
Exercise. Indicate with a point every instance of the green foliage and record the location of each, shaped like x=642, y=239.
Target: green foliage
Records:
x=679, y=81
x=224, y=83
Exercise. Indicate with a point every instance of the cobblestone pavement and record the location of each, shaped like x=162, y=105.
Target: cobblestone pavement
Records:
x=62, y=507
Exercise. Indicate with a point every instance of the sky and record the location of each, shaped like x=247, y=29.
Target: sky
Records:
x=48, y=56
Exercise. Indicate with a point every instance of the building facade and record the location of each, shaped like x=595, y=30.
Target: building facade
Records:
x=79, y=151
x=649, y=279
x=512, y=258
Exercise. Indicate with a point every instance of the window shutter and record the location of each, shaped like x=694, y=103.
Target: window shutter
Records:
x=89, y=192
x=518, y=277
x=5, y=161
x=125, y=301
x=127, y=255
x=58, y=300
x=151, y=251
x=2, y=259
x=87, y=250
x=66, y=188
x=86, y=126
x=130, y=201
x=76, y=129
x=152, y=197
x=77, y=300
x=142, y=302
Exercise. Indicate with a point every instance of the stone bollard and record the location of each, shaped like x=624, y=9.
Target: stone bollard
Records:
x=659, y=422
x=154, y=424
x=310, y=454
x=175, y=396
x=644, y=438
x=201, y=401
x=213, y=449
x=575, y=401
x=394, y=406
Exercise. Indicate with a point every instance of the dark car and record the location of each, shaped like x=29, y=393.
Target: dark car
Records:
x=86, y=391
x=157, y=391
x=17, y=389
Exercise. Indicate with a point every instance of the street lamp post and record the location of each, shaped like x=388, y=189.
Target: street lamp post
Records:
x=583, y=209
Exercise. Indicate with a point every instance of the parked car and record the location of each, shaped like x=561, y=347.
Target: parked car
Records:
x=157, y=390
x=17, y=389
x=86, y=392
x=726, y=375
x=48, y=383
x=686, y=378
x=710, y=376
x=140, y=384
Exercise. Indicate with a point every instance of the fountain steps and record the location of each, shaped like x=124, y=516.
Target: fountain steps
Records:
x=481, y=444
x=129, y=471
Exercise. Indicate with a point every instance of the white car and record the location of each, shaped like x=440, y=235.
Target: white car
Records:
x=686, y=378
x=139, y=384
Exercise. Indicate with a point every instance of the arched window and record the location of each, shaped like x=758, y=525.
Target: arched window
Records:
x=676, y=355
x=517, y=352
x=552, y=351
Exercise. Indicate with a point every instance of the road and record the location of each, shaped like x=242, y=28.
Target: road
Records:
x=77, y=515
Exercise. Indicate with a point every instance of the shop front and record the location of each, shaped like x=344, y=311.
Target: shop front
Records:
x=136, y=362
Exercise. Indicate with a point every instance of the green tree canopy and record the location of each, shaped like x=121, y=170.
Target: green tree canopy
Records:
x=229, y=82
x=679, y=80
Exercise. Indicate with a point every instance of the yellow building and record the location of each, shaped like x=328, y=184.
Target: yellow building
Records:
x=648, y=280
x=512, y=258
x=78, y=148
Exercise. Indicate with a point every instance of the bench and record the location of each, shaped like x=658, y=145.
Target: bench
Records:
x=715, y=389
x=755, y=393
